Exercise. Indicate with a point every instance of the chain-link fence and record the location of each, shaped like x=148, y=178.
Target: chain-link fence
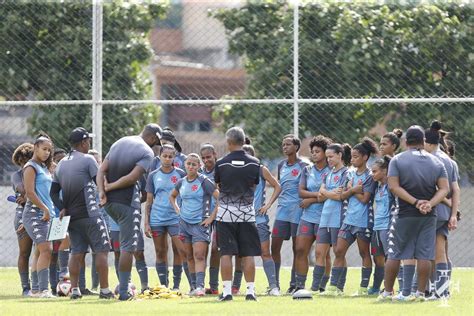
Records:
x=208, y=65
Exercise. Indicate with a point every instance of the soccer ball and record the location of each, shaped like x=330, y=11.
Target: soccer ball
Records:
x=132, y=289
x=64, y=288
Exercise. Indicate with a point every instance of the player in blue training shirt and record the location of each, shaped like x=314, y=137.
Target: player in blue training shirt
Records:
x=209, y=158
x=195, y=191
x=338, y=157
x=384, y=209
x=168, y=138
x=358, y=221
x=312, y=204
x=161, y=218
x=288, y=210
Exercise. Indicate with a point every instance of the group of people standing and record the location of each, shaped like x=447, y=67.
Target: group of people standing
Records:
x=397, y=208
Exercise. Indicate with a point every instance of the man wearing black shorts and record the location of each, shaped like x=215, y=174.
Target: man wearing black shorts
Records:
x=237, y=174
x=75, y=176
x=419, y=180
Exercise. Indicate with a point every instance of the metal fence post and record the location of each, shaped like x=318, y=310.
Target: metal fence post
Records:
x=295, y=67
x=97, y=30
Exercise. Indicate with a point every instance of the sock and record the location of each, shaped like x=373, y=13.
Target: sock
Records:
x=214, y=278
x=237, y=282
x=430, y=286
x=408, y=274
x=25, y=280
x=378, y=277
x=450, y=270
x=269, y=268
x=53, y=275
x=200, y=279
x=193, y=280
x=324, y=281
x=63, y=258
x=142, y=273
x=76, y=290
x=250, y=288
x=186, y=272
x=162, y=270
x=94, y=274
x=335, y=275
x=116, y=265
x=34, y=281
x=418, y=293
x=365, y=273
x=82, y=278
x=43, y=279
x=105, y=291
x=300, y=281
x=342, y=279
x=442, y=278
x=293, y=277
x=277, y=273
x=227, y=289
x=177, y=271
x=400, y=279
x=414, y=285
x=124, y=277
x=318, y=273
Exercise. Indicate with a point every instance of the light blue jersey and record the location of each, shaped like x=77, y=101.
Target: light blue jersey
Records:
x=210, y=176
x=160, y=184
x=331, y=215
x=359, y=214
x=383, y=205
x=259, y=200
x=43, y=181
x=195, y=196
x=178, y=162
x=288, y=209
x=311, y=180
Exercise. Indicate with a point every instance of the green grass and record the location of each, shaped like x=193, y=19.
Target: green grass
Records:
x=461, y=303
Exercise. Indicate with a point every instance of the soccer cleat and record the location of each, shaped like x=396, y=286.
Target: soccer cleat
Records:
x=212, y=291
x=223, y=298
x=26, y=292
x=362, y=291
x=385, y=297
x=250, y=297
x=75, y=296
x=46, y=294
x=419, y=298
x=402, y=298
x=235, y=290
x=291, y=290
x=274, y=292
x=330, y=291
x=199, y=292
x=54, y=291
x=106, y=296
x=88, y=292
x=373, y=291
x=433, y=297
x=126, y=297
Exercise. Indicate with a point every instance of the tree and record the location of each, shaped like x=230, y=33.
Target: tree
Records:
x=353, y=51
x=47, y=56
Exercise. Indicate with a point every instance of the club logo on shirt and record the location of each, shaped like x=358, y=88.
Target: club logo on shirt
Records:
x=174, y=179
x=294, y=172
x=177, y=164
x=336, y=178
x=194, y=188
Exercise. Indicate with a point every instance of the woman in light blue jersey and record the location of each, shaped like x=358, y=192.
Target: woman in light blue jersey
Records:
x=288, y=209
x=358, y=219
x=312, y=204
x=20, y=157
x=160, y=217
x=39, y=209
x=338, y=157
x=195, y=191
x=384, y=204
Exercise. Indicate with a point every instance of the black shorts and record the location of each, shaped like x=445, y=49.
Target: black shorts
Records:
x=238, y=239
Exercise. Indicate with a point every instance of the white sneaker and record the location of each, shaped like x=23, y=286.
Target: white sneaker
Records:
x=46, y=294
x=274, y=292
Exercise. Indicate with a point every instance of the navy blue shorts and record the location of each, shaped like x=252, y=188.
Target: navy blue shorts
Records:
x=172, y=230
x=263, y=231
x=307, y=229
x=115, y=241
x=191, y=233
x=327, y=235
x=379, y=243
x=129, y=221
x=85, y=232
x=34, y=226
x=442, y=228
x=350, y=233
x=283, y=229
x=17, y=222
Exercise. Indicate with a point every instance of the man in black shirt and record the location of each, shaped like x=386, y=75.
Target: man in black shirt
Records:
x=237, y=174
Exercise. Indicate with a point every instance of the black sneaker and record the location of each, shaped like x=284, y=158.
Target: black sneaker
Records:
x=126, y=297
x=54, y=292
x=291, y=290
x=223, y=298
x=250, y=297
x=75, y=296
x=321, y=290
x=88, y=292
x=106, y=296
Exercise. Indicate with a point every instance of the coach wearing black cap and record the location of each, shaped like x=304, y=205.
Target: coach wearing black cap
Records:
x=117, y=181
x=419, y=180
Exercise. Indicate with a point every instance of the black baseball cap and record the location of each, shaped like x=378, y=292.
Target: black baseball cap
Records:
x=79, y=134
x=415, y=134
x=169, y=136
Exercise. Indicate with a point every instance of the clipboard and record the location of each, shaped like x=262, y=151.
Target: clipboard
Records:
x=58, y=228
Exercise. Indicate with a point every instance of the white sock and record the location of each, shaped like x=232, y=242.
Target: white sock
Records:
x=250, y=288
x=105, y=291
x=418, y=293
x=76, y=290
x=227, y=290
x=385, y=293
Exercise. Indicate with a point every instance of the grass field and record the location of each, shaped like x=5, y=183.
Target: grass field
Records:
x=461, y=303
